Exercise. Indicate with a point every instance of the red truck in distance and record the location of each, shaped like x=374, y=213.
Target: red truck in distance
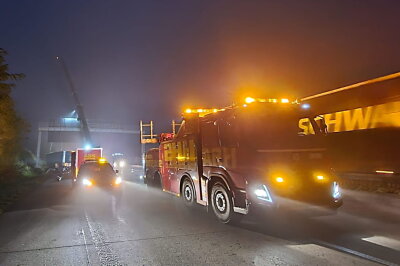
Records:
x=80, y=156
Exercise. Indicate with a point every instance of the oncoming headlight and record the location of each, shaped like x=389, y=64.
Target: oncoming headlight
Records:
x=262, y=193
x=118, y=180
x=336, y=191
x=87, y=182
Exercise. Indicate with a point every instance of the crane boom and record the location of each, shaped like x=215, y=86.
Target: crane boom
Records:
x=79, y=108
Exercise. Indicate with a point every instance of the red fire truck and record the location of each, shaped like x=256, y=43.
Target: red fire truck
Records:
x=81, y=156
x=247, y=156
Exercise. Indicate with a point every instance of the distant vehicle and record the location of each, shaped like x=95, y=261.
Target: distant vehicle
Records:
x=120, y=163
x=98, y=173
x=59, y=163
x=136, y=172
x=80, y=156
x=58, y=159
x=244, y=157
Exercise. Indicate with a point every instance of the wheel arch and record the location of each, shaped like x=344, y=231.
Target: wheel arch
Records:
x=215, y=178
x=187, y=176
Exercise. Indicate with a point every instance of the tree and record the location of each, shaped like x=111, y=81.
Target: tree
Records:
x=11, y=126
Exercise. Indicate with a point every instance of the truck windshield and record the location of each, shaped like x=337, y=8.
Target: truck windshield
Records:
x=275, y=130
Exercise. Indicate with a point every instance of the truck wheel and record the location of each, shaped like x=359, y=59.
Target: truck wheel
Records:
x=222, y=203
x=157, y=181
x=187, y=193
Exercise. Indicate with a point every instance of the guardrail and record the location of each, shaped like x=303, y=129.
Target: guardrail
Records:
x=382, y=183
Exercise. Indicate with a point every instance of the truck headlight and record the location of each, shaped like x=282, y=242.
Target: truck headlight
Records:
x=118, y=180
x=262, y=193
x=336, y=191
x=87, y=182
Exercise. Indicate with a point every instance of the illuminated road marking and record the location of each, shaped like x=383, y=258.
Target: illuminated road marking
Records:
x=355, y=253
x=86, y=248
x=384, y=241
x=106, y=254
x=330, y=255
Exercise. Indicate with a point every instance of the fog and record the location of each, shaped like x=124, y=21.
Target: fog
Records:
x=146, y=60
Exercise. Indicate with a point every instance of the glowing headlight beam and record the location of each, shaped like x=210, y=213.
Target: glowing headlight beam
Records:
x=336, y=191
x=262, y=193
x=87, y=182
x=118, y=180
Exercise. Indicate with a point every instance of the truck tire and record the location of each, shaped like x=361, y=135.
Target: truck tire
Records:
x=188, y=193
x=221, y=203
x=157, y=180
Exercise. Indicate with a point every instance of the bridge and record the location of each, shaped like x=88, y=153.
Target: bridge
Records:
x=63, y=134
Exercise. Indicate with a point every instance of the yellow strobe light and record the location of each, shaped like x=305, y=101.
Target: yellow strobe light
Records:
x=279, y=179
x=384, y=172
x=284, y=100
x=202, y=111
x=249, y=100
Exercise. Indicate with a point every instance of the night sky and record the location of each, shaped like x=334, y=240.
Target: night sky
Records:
x=133, y=60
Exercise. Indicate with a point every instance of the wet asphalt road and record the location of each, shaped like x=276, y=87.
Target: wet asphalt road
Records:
x=58, y=225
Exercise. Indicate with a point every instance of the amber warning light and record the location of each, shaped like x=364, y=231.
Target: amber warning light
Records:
x=249, y=100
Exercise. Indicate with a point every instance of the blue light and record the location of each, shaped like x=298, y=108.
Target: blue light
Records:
x=305, y=106
x=336, y=191
x=88, y=147
x=70, y=119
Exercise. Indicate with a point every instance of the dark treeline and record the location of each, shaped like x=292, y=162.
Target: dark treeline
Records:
x=12, y=126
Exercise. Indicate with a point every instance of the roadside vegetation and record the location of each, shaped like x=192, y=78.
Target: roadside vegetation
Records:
x=17, y=171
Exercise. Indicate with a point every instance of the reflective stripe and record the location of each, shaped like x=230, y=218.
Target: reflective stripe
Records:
x=291, y=150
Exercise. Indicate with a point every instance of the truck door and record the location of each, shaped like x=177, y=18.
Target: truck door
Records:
x=227, y=129
x=179, y=165
x=166, y=161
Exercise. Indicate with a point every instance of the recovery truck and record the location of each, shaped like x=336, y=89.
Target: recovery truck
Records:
x=243, y=157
